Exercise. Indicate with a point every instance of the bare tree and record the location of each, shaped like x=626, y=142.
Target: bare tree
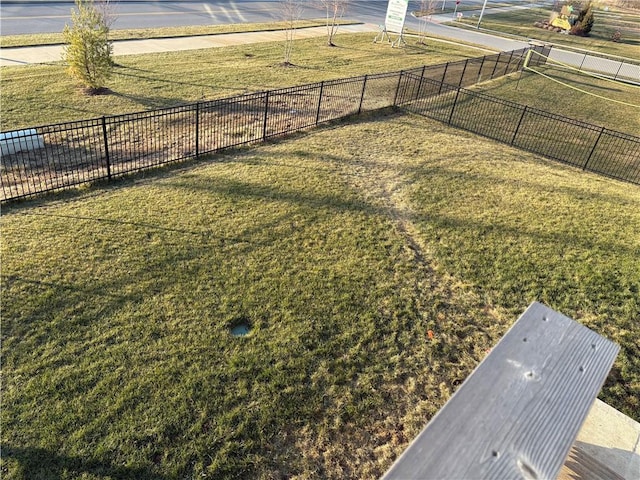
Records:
x=107, y=9
x=335, y=10
x=291, y=11
x=427, y=7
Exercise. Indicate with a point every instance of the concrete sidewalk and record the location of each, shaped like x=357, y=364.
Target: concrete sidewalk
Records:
x=15, y=56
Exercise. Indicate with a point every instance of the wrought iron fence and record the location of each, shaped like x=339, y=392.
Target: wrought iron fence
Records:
x=567, y=140
x=58, y=157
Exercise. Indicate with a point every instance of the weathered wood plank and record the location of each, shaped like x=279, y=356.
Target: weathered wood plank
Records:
x=579, y=464
x=518, y=413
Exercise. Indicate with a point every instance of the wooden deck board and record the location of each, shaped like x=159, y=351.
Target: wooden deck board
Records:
x=519, y=412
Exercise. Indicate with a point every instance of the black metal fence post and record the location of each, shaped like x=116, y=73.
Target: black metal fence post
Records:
x=480, y=71
x=506, y=69
x=424, y=68
x=582, y=63
x=593, y=149
x=455, y=101
x=547, y=52
x=364, y=86
x=266, y=116
x=319, y=102
x=495, y=66
x=615, y=77
x=106, y=146
x=395, y=98
x=521, y=60
x=524, y=111
x=446, y=66
x=197, y=129
x=464, y=69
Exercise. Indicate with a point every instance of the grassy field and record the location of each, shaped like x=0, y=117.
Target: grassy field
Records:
x=340, y=248
x=31, y=98
x=520, y=22
x=601, y=102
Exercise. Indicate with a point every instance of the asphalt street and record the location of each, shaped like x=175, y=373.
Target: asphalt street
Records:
x=44, y=16
x=37, y=16
x=369, y=14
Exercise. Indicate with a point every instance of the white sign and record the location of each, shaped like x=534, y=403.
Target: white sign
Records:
x=396, y=11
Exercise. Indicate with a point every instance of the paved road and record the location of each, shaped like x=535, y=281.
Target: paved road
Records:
x=39, y=17
x=44, y=16
x=46, y=54
x=370, y=12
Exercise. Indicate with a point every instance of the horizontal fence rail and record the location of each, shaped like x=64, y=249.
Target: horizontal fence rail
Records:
x=63, y=156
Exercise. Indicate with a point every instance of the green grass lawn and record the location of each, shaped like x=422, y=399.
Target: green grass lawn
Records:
x=142, y=82
x=341, y=248
x=520, y=22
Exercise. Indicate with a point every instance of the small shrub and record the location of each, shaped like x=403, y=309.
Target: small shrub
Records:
x=577, y=30
x=585, y=21
x=616, y=36
x=88, y=50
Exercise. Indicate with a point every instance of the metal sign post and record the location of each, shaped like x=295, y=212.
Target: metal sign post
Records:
x=394, y=21
x=481, y=14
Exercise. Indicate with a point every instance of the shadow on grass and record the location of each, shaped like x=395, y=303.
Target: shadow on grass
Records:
x=40, y=463
x=234, y=188
x=62, y=287
x=216, y=86
x=151, y=102
x=85, y=111
x=176, y=82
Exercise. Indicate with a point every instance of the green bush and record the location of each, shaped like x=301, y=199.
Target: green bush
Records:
x=88, y=50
